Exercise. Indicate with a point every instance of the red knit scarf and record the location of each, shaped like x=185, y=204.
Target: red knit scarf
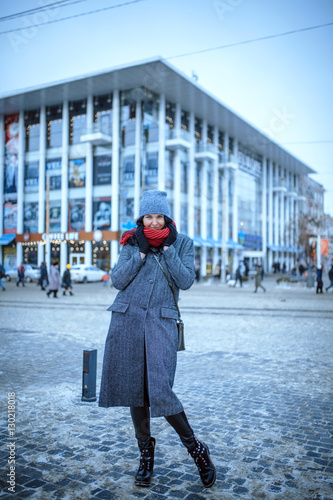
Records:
x=155, y=237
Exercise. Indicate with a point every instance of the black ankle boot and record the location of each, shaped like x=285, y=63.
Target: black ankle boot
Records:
x=200, y=454
x=145, y=471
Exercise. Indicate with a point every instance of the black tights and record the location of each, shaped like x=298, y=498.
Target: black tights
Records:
x=141, y=421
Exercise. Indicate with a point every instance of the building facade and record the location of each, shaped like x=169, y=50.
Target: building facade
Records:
x=76, y=156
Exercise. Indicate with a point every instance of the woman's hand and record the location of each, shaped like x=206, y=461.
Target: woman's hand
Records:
x=169, y=240
x=142, y=241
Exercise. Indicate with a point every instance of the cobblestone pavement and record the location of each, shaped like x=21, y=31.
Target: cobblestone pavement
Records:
x=255, y=381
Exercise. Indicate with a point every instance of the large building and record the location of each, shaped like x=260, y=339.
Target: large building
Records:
x=75, y=157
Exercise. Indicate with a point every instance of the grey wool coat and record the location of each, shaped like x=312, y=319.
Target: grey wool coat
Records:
x=144, y=325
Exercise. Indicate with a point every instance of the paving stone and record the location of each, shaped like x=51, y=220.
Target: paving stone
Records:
x=260, y=398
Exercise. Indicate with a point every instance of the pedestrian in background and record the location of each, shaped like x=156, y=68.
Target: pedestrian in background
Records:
x=141, y=347
x=66, y=281
x=239, y=276
x=330, y=276
x=319, y=288
x=44, y=279
x=20, y=274
x=2, y=275
x=54, y=283
x=257, y=279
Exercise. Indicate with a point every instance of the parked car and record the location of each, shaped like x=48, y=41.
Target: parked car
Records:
x=31, y=273
x=83, y=273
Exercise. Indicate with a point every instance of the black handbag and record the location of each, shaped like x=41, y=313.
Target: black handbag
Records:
x=180, y=323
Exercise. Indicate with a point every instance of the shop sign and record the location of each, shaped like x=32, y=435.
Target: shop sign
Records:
x=60, y=236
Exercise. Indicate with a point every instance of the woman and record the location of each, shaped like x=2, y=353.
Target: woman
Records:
x=141, y=347
x=66, y=280
x=54, y=282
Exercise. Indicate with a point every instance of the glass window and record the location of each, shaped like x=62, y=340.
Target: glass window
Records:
x=128, y=171
x=197, y=221
x=31, y=177
x=209, y=185
x=221, y=141
x=152, y=168
x=184, y=177
x=184, y=219
x=54, y=126
x=32, y=129
x=169, y=170
x=77, y=121
x=53, y=173
x=209, y=223
x=150, y=117
x=198, y=129
x=198, y=179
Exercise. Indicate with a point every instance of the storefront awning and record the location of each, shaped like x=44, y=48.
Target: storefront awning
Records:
x=7, y=238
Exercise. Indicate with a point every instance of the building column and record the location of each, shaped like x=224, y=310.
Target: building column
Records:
x=64, y=185
x=264, y=213
x=282, y=236
x=295, y=215
x=115, y=175
x=203, y=203
x=287, y=239
x=177, y=169
x=215, y=199
x=191, y=180
x=89, y=182
x=137, y=161
x=2, y=174
x=225, y=211
x=161, y=144
x=270, y=214
x=20, y=186
x=235, y=209
x=41, y=182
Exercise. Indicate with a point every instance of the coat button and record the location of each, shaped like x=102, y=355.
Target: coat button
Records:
x=144, y=308
x=150, y=281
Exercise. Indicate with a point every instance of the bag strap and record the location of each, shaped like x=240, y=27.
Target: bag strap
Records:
x=170, y=284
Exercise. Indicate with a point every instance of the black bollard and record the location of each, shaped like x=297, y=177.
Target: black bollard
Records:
x=89, y=375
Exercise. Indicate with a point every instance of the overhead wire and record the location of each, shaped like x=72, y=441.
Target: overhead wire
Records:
x=50, y=6
x=75, y=16
x=251, y=40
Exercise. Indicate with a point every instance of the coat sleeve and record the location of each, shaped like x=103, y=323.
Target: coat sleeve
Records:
x=181, y=266
x=127, y=267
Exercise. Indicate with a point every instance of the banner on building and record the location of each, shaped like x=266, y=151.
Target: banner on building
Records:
x=11, y=153
x=30, y=218
x=55, y=216
x=10, y=216
x=76, y=216
x=77, y=173
x=102, y=170
x=102, y=213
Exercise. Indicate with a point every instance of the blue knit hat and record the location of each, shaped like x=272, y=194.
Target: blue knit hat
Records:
x=154, y=202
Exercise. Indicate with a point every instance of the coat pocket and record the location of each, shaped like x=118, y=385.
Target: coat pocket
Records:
x=167, y=312
x=119, y=307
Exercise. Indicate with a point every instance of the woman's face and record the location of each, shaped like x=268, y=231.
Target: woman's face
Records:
x=154, y=221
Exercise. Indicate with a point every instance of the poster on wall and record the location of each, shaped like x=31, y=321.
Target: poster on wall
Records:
x=11, y=153
x=55, y=216
x=10, y=216
x=102, y=213
x=77, y=173
x=102, y=170
x=76, y=216
x=30, y=218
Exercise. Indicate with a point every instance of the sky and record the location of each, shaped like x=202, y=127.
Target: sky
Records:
x=282, y=85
